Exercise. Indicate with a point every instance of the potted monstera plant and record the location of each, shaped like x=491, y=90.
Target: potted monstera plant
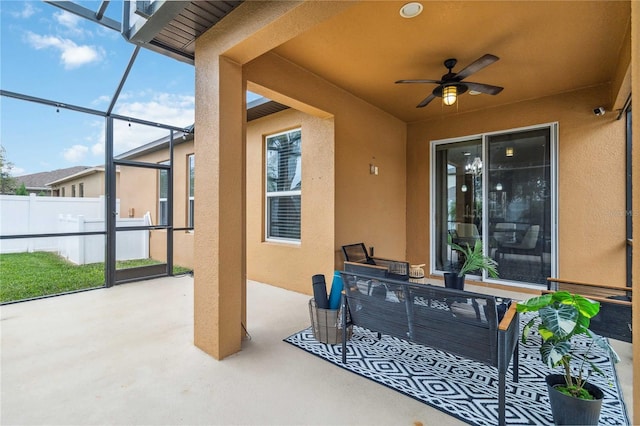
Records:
x=474, y=259
x=562, y=317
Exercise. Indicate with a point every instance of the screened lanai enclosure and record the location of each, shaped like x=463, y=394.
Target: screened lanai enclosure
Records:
x=118, y=107
x=116, y=219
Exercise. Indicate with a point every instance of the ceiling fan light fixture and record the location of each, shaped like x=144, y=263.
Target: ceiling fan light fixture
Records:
x=411, y=10
x=449, y=95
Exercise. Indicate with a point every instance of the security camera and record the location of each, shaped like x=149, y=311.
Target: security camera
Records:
x=598, y=111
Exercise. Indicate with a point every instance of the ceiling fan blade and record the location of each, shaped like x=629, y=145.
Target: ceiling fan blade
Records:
x=426, y=101
x=483, y=88
x=477, y=66
x=419, y=81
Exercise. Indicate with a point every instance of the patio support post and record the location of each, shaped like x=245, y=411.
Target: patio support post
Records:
x=220, y=262
x=110, y=206
x=220, y=144
x=635, y=213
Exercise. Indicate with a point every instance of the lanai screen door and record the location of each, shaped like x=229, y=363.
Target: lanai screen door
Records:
x=499, y=189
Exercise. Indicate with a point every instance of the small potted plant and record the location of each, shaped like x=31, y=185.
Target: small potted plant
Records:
x=561, y=317
x=474, y=259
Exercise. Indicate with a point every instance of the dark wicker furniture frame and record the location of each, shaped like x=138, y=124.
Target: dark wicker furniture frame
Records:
x=615, y=318
x=357, y=253
x=455, y=321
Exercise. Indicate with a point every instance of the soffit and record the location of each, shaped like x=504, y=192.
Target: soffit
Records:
x=545, y=48
x=175, y=33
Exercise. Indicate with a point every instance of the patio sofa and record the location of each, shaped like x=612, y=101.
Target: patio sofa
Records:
x=459, y=322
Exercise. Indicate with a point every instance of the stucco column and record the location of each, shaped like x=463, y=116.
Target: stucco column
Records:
x=252, y=29
x=219, y=243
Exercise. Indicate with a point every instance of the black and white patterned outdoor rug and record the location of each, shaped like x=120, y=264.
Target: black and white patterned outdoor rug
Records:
x=462, y=388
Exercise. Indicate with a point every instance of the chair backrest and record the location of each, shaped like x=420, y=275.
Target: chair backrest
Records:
x=504, y=232
x=530, y=239
x=467, y=230
x=355, y=253
x=505, y=226
x=366, y=269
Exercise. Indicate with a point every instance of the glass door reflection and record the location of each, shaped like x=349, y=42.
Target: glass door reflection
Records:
x=519, y=204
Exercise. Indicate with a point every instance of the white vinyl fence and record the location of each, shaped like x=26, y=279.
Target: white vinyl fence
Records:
x=90, y=249
x=22, y=215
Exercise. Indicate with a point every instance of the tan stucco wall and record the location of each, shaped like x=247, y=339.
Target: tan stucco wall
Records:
x=138, y=194
x=591, y=174
x=368, y=208
x=282, y=264
x=93, y=185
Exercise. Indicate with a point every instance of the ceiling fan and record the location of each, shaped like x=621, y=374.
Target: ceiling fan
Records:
x=451, y=84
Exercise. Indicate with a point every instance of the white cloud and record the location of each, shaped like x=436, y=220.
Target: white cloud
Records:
x=71, y=24
x=17, y=171
x=101, y=100
x=71, y=54
x=163, y=108
x=27, y=11
x=75, y=154
x=98, y=149
x=67, y=19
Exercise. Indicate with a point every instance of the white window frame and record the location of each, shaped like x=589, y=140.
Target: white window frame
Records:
x=191, y=162
x=278, y=194
x=161, y=200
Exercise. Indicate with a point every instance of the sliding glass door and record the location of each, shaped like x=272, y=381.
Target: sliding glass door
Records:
x=458, y=195
x=497, y=188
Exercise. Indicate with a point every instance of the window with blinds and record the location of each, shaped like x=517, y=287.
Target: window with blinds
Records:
x=283, y=185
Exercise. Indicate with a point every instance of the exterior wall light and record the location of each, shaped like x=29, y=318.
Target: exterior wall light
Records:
x=509, y=151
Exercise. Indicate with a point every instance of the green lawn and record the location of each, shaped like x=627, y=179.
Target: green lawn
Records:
x=27, y=275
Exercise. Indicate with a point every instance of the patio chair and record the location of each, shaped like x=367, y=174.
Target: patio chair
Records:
x=529, y=245
x=466, y=233
x=357, y=253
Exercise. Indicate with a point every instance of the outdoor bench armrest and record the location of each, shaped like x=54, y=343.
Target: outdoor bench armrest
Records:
x=508, y=318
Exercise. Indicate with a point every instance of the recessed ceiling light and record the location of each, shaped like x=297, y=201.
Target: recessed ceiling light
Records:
x=411, y=10
x=474, y=92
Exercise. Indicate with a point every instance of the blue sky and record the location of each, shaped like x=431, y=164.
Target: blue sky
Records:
x=51, y=54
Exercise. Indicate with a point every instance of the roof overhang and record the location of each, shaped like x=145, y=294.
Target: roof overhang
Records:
x=172, y=27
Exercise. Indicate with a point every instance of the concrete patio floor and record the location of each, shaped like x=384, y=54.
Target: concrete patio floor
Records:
x=125, y=356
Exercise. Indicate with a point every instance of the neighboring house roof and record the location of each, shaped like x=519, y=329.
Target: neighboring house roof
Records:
x=86, y=172
x=38, y=181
